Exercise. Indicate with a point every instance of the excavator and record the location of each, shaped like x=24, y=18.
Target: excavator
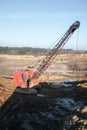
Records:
x=26, y=79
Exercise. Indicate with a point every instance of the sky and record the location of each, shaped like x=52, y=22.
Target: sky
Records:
x=39, y=23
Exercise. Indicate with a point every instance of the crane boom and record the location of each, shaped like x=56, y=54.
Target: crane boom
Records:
x=53, y=53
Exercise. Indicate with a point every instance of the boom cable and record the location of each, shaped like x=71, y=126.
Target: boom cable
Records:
x=76, y=57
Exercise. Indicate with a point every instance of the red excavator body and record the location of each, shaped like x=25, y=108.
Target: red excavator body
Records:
x=22, y=78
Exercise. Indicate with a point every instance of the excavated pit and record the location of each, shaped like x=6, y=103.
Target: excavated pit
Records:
x=55, y=106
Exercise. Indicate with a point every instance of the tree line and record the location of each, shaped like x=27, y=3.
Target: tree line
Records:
x=31, y=51
x=22, y=50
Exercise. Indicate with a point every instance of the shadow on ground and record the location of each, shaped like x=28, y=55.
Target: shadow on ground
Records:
x=52, y=108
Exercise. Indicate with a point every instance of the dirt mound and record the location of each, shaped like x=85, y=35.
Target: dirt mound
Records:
x=54, y=107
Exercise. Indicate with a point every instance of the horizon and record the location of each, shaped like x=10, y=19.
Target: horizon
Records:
x=66, y=49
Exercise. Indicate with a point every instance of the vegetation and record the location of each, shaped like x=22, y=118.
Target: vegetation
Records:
x=22, y=50
x=31, y=51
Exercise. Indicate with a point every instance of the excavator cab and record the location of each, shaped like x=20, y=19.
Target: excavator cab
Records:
x=22, y=78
